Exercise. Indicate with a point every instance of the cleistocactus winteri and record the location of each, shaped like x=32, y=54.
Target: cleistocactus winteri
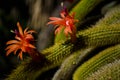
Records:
x=102, y=58
x=106, y=32
x=109, y=71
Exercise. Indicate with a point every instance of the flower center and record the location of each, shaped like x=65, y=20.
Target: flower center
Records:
x=67, y=23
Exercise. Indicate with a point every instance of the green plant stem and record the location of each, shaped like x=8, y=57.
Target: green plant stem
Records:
x=111, y=17
x=70, y=63
x=102, y=58
x=109, y=71
x=95, y=36
x=81, y=9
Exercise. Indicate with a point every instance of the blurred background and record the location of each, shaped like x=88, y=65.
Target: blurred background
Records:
x=35, y=14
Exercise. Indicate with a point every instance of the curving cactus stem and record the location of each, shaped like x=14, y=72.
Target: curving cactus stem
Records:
x=106, y=32
x=101, y=59
x=110, y=71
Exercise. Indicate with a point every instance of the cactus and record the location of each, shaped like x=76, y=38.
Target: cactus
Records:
x=111, y=17
x=82, y=10
x=70, y=63
x=95, y=36
x=105, y=32
x=109, y=71
x=102, y=58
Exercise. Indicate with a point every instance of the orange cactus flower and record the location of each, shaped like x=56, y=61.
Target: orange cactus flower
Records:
x=23, y=42
x=66, y=21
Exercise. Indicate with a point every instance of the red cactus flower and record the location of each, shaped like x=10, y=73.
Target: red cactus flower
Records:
x=23, y=42
x=66, y=21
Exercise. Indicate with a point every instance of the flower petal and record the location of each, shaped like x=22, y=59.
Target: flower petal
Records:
x=68, y=30
x=23, y=42
x=55, y=18
x=20, y=55
x=16, y=50
x=56, y=21
x=25, y=31
x=30, y=37
x=19, y=28
x=18, y=38
x=59, y=22
x=31, y=46
x=11, y=48
x=31, y=31
x=12, y=42
x=58, y=29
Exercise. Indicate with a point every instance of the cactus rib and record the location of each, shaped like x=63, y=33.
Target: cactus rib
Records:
x=102, y=58
x=70, y=63
x=110, y=71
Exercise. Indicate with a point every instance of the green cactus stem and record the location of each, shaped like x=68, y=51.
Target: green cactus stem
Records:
x=70, y=63
x=102, y=58
x=84, y=7
x=95, y=36
x=111, y=17
x=81, y=9
x=110, y=71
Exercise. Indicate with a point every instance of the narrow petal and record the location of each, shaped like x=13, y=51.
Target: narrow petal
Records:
x=18, y=38
x=25, y=31
x=62, y=15
x=29, y=36
x=58, y=29
x=23, y=48
x=66, y=33
x=16, y=50
x=55, y=21
x=68, y=30
x=12, y=46
x=31, y=46
x=58, y=22
x=52, y=22
x=12, y=49
x=12, y=42
x=20, y=55
x=19, y=28
x=55, y=18
x=31, y=31
x=9, y=51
